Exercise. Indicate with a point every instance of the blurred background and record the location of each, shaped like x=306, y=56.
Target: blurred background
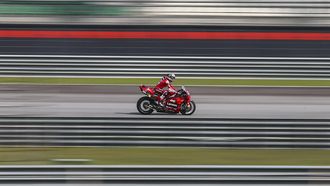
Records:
x=167, y=12
x=258, y=71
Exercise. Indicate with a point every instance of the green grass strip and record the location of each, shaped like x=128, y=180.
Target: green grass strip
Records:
x=137, y=81
x=164, y=156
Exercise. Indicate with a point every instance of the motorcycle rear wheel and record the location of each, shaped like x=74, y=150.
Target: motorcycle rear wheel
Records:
x=190, y=110
x=144, y=104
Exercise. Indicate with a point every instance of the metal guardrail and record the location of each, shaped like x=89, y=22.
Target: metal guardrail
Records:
x=153, y=66
x=167, y=174
x=187, y=132
x=178, y=12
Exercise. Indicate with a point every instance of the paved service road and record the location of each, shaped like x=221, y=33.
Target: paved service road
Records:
x=18, y=103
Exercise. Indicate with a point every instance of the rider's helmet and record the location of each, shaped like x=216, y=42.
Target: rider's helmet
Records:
x=170, y=77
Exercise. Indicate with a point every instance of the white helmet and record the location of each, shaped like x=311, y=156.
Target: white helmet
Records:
x=171, y=77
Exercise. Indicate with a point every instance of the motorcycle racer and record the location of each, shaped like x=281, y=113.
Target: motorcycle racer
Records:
x=165, y=82
x=180, y=102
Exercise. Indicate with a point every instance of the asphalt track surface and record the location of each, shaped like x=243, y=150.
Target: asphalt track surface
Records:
x=166, y=47
x=95, y=101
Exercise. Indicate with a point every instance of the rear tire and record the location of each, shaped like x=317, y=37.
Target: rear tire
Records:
x=143, y=105
x=190, y=110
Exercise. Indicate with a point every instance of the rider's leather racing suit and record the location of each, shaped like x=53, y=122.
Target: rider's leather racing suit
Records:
x=162, y=84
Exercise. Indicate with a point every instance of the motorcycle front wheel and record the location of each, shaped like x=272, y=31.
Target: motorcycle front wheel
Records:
x=144, y=105
x=189, y=110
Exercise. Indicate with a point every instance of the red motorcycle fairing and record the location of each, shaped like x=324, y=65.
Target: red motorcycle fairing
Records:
x=150, y=92
x=145, y=89
x=174, y=104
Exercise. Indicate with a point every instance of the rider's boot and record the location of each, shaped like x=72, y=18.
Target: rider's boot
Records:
x=161, y=101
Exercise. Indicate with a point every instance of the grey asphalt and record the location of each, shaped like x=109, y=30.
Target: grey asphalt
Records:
x=84, y=102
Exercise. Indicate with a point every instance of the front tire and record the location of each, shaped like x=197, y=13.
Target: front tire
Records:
x=144, y=105
x=190, y=110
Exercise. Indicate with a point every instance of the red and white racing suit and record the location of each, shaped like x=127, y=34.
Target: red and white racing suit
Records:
x=162, y=84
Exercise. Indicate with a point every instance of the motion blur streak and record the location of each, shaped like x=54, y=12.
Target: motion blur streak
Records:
x=166, y=47
x=164, y=12
x=152, y=66
x=48, y=34
x=165, y=132
x=168, y=175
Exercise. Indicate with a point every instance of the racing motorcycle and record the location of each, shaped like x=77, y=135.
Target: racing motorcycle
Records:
x=180, y=102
